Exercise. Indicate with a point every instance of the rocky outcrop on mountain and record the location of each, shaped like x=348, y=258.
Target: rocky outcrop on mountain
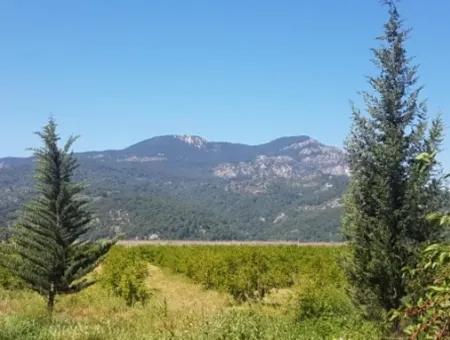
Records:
x=298, y=162
x=143, y=159
x=196, y=141
x=262, y=167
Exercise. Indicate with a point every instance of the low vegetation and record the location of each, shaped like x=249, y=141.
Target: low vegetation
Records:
x=124, y=275
x=181, y=306
x=427, y=310
x=246, y=273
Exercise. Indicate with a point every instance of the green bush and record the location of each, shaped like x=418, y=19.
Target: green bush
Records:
x=426, y=311
x=124, y=274
x=323, y=301
x=8, y=280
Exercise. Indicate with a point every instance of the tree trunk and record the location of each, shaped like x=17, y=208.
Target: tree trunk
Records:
x=51, y=299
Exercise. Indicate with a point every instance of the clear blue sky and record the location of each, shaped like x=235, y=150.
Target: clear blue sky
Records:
x=117, y=72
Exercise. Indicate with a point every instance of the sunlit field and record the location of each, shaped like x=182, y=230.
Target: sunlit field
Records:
x=199, y=292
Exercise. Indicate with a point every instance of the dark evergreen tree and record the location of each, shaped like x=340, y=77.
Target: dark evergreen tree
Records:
x=389, y=195
x=46, y=250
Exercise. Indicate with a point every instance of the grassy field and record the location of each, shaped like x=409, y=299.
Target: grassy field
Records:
x=312, y=304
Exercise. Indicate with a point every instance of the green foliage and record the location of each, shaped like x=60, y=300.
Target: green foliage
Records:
x=324, y=307
x=426, y=311
x=45, y=250
x=21, y=328
x=427, y=307
x=247, y=273
x=95, y=314
x=244, y=324
x=248, y=324
x=189, y=210
x=8, y=280
x=124, y=274
x=323, y=301
x=233, y=324
x=390, y=194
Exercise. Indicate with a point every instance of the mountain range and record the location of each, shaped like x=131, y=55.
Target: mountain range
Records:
x=184, y=187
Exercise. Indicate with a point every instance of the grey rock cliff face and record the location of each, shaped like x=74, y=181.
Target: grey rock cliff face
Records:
x=298, y=162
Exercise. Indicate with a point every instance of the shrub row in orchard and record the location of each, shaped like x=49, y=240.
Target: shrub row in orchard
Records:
x=245, y=272
x=124, y=274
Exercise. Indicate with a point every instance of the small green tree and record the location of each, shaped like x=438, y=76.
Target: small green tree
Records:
x=46, y=250
x=389, y=195
x=124, y=274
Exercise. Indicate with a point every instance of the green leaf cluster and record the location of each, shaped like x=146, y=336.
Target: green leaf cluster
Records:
x=426, y=311
x=124, y=274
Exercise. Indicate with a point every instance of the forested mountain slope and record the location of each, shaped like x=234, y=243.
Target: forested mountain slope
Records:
x=184, y=187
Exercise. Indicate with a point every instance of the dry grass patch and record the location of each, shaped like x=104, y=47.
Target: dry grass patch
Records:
x=176, y=295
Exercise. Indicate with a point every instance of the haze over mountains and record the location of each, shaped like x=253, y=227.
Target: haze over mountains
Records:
x=184, y=187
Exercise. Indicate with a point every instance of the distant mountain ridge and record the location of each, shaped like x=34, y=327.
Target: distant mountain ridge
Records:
x=184, y=186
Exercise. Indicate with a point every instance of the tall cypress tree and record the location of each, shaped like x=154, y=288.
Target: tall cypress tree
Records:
x=46, y=250
x=389, y=196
